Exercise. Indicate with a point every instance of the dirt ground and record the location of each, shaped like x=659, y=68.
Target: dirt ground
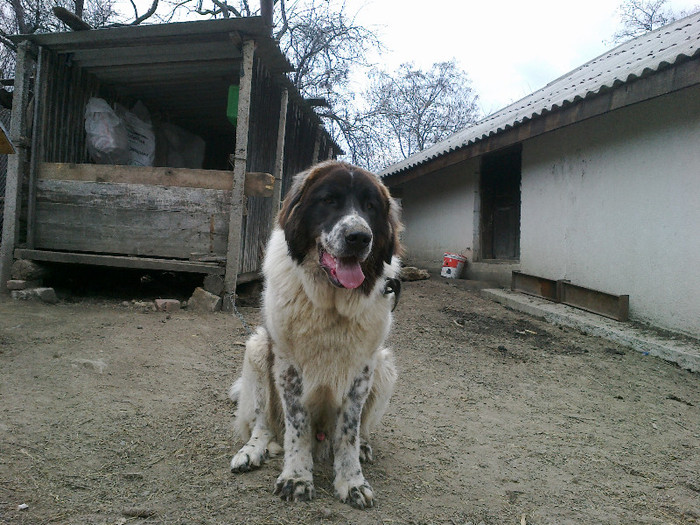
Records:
x=110, y=414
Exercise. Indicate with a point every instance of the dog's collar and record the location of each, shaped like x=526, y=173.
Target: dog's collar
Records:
x=393, y=285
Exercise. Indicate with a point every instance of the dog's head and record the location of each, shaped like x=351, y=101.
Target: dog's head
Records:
x=345, y=219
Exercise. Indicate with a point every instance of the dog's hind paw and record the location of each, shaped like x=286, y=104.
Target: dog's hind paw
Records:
x=248, y=459
x=295, y=489
x=359, y=496
x=366, y=452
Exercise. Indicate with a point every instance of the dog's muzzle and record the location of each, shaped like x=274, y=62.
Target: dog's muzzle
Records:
x=343, y=249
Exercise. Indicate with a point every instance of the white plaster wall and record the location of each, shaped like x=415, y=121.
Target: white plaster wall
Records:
x=438, y=213
x=613, y=203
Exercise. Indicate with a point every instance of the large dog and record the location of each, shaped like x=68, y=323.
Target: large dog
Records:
x=316, y=374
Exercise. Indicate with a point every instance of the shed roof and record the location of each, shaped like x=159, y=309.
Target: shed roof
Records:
x=182, y=68
x=639, y=58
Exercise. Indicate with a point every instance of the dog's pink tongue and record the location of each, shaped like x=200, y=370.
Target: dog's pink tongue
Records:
x=349, y=274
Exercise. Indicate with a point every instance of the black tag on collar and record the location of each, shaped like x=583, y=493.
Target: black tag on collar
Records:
x=393, y=286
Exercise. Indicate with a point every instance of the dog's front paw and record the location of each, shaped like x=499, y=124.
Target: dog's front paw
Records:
x=359, y=495
x=295, y=489
x=248, y=458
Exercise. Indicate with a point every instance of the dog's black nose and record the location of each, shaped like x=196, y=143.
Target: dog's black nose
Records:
x=358, y=239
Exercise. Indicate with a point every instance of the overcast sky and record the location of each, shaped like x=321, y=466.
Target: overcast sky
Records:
x=509, y=48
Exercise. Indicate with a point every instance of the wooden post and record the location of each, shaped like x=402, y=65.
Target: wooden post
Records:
x=279, y=159
x=17, y=164
x=266, y=8
x=317, y=146
x=233, y=252
x=37, y=142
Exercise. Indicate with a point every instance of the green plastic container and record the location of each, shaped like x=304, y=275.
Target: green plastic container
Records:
x=232, y=106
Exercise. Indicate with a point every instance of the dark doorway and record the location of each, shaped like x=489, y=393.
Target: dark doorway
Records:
x=500, y=205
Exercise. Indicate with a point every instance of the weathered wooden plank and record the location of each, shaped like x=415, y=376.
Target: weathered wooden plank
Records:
x=233, y=255
x=533, y=285
x=256, y=184
x=279, y=158
x=129, y=232
x=602, y=303
x=131, y=219
x=117, y=261
x=133, y=196
x=40, y=90
x=17, y=164
x=155, y=55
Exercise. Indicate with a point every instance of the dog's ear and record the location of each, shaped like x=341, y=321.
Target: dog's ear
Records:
x=290, y=219
x=395, y=228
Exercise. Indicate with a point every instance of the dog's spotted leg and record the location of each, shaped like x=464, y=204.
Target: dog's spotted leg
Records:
x=295, y=483
x=350, y=484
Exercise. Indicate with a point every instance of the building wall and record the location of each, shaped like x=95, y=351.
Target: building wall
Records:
x=613, y=203
x=438, y=212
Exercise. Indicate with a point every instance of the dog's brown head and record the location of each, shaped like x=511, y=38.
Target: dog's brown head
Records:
x=344, y=217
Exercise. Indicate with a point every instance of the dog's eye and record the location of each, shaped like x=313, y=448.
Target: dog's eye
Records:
x=369, y=206
x=329, y=200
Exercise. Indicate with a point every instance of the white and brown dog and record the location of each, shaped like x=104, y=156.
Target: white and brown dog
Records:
x=317, y=372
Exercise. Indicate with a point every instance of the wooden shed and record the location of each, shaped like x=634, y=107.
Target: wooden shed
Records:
x=59, y=207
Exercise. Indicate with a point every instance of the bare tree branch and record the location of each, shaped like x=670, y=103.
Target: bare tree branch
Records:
x=71, y=19
x=148, y=14
x=285, y=22
x=413, y=109
x=7, y=42
x=641, y=16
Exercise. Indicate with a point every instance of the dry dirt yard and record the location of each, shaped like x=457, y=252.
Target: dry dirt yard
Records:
x=114, y=415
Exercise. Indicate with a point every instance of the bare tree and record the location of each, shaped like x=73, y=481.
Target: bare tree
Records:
x=638, y=17
x=413, y=109
x=38, y=16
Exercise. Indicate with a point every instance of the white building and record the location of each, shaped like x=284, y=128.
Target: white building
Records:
x=594, y=179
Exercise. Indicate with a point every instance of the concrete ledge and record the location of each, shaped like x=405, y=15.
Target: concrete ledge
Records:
x=684, y=352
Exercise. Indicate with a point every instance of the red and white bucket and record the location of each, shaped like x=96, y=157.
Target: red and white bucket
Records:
x=452, y=265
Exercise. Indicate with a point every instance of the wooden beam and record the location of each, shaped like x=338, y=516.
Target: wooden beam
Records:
x=156, y=54
x=233, y=255
x=37, y=153
x=533, y=285
x=317, y=145
x=17, y=164
x=279, y=158
x=145, y=263
x=601, y=303
x=256, y=184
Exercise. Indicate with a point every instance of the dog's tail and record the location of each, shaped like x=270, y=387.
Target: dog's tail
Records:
x=235, y=391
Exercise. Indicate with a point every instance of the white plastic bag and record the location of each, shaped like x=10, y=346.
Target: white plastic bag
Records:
x=178, y=148
x=142, y=140
x=107, y=139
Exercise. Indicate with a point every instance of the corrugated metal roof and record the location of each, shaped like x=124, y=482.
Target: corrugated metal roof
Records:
x=627, y=62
